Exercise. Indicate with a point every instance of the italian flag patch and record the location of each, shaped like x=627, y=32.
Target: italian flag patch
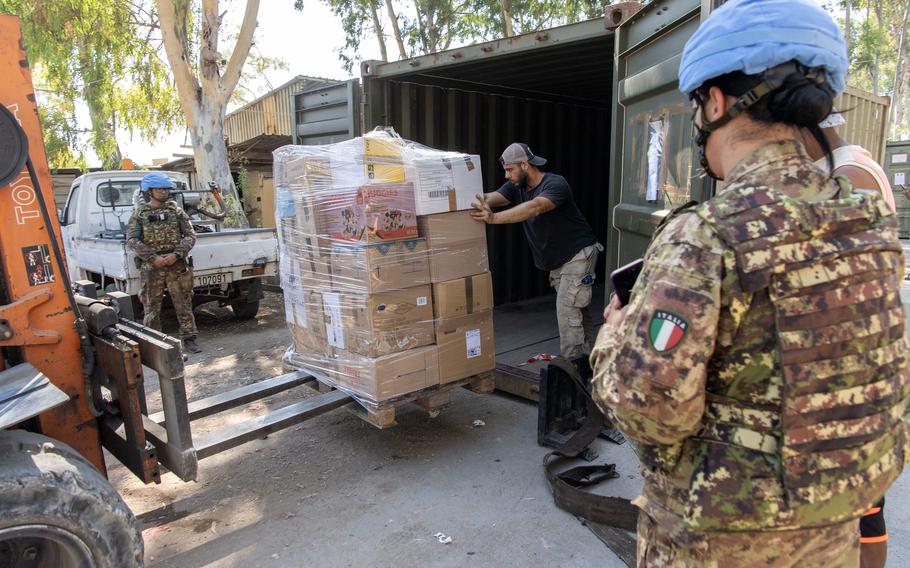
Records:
x=666, y=330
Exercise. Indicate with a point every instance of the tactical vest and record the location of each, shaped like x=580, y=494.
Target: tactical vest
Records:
x=839, y=383
x=160, y=228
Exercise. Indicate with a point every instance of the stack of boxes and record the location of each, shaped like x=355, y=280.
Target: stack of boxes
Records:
x=385, y=274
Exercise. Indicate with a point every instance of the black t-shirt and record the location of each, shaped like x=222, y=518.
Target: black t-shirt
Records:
x=557, y=235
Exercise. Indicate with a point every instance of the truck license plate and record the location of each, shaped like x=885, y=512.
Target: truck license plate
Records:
x=211, y=279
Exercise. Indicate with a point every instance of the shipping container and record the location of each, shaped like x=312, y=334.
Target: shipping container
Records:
x=591, y=97
x=269, y=114
x=897, y=166
x=551, y=89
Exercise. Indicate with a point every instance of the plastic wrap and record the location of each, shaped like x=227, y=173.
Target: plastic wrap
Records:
x=385, y=274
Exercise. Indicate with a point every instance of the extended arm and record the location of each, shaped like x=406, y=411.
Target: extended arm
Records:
x=523, y=212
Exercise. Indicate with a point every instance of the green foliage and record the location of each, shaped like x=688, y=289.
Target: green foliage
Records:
x=436, y=25
x=873, y=38
x=102, y=53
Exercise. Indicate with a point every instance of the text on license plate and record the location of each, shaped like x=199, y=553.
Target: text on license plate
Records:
x=212, y=279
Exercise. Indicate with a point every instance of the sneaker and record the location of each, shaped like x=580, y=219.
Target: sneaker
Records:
x=190, y=345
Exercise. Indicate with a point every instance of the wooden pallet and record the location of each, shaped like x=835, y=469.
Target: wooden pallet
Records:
x=432, y=399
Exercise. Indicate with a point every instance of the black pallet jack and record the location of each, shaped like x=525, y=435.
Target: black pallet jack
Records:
x=569, y=421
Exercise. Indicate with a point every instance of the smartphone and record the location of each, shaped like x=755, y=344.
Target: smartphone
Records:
x=623, y=279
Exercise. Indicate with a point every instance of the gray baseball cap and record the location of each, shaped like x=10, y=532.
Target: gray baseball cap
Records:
x=519, y=152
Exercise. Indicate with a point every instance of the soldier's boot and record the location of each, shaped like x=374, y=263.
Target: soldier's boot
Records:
x=190, y=345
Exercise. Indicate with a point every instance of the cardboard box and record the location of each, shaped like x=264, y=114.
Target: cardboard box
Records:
x=464, y=296
x=445, y=183
x=457, y=245
x=379, y=324
x=304, y=314
x=382, y=378
x=372, y=213
x=465, y=346
x=371, y=268
x=382, y=158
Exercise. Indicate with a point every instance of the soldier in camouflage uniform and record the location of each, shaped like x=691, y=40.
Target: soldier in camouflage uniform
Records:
x=760, y=366
x=161, y=236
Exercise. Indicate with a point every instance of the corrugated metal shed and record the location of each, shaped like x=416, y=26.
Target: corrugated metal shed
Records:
x=867, y=119
x=269, y=114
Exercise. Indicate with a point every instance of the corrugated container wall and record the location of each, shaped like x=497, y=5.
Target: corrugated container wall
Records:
x=867, y=119
x=270, y=114
x=551, y=91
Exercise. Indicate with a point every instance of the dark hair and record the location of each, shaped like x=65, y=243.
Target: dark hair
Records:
x=799, y=101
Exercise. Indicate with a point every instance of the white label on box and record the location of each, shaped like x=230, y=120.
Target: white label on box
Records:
x=900, y=178
x=472, y=342
x=331, y=302
x=899, y=158
x=421, y=300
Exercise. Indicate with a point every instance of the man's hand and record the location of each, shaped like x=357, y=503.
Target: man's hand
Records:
x=160, y=261
x=171, y=258
x=482, y=211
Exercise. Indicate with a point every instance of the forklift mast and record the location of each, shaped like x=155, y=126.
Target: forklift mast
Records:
x=39, y=321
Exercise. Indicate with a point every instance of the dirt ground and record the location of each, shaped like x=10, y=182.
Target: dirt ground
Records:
x=335, y=491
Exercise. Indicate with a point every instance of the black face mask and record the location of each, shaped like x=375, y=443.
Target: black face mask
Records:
x=701, y=141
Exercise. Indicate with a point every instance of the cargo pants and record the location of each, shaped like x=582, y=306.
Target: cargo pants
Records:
x=573, y=282
x=177, y=279
x=835, y=546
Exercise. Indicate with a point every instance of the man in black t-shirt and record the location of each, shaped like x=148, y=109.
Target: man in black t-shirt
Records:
x=560, y=238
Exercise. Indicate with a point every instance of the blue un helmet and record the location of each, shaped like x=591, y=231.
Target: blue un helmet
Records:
x=155, y=180
x=770, y=40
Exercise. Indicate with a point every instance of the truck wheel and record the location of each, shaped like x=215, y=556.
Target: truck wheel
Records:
x=245, y=310
x=57, y=510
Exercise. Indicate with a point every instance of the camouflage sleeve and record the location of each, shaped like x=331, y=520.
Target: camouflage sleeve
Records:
x=189, y=235
x=134, y=239
x=650, y=371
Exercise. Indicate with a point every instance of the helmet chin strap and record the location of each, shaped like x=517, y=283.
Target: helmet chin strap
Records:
x=772, y=79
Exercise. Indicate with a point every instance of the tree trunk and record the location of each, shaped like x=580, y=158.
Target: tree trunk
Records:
x=204, y=98
x=897, y=98
x=377, y=26
x=402, y=53
x=878, y=50
x=848, y=28
x=507, y=19
x=899, y=125
x=212, y=163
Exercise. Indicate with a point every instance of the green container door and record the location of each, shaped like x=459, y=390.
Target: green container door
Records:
x=653, y=157
x=897, y=166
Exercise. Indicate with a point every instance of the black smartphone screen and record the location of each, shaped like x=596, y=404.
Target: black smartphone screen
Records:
x=623, y=279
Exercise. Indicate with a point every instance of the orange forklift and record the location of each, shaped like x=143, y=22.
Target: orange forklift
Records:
x=71, y=375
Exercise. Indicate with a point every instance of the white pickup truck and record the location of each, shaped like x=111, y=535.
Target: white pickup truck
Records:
x=227, y=265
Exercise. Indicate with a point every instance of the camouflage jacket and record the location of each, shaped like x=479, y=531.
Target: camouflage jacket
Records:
x=160, y=231
x=696, y=350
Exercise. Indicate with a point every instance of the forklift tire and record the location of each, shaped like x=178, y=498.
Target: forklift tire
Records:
x=245, y=310
x=57, y=510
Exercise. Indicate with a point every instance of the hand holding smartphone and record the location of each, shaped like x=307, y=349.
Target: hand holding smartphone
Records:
x=623, y=279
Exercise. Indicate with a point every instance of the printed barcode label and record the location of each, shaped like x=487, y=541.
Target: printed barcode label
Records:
x=472, y=343
x=422, y=301
x=437, y=193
